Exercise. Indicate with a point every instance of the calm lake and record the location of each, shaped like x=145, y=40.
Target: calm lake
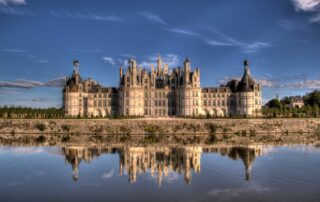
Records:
x=160, y=173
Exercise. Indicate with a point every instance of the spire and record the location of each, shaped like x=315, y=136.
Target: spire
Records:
x=159, y=65
x=246, y=66
x=76, y=65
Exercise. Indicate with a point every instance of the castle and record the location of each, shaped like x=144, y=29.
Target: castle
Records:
x=161, y=92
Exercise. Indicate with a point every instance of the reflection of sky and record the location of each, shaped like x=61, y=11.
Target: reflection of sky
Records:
x=285, y=174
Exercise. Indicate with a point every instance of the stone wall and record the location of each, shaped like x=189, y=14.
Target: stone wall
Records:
x=163, y=131
x=159, y=126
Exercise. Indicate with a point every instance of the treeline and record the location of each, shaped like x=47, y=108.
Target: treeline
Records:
x=28, y=112
x=281, y=108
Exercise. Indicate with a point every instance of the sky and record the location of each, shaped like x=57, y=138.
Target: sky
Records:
x=39, y=39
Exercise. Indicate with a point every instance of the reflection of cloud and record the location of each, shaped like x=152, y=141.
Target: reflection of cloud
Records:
x=234, y=192
x=108, y=175
x=22, y=150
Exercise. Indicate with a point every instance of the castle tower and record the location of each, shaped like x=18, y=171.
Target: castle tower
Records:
x=248, y=96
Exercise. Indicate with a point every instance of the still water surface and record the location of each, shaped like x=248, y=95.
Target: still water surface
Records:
x=157, y=173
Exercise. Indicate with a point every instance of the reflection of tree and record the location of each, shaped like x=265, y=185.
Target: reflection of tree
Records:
x=160, y=161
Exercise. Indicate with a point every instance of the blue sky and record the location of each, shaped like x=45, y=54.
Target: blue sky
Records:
x=39, y=39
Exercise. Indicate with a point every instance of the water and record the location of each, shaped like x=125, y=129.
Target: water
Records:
x=158, y=173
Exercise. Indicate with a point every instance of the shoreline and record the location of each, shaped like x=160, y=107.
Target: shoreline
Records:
x=164, y=131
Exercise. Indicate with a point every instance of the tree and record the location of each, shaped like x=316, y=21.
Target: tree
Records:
x=274, y=103
x=315, y=110
x=312, y=98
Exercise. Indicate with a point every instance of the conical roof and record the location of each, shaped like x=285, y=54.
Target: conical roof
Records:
x=247, y=83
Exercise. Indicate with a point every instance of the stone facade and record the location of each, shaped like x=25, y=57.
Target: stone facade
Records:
x=161, y=92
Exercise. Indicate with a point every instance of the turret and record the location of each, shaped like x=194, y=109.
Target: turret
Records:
x=186, y=68
x=75, y=74
x=159, y=65
x=121, y=73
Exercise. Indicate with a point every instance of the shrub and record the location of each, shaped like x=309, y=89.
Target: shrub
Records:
x=41, y=139
x=212, y=128
x=40, y=126
x=212, y=139
x=65, y=128
x=65, y=138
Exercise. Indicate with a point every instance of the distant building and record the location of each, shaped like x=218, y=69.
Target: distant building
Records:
x=296, y=102
x=161, y=92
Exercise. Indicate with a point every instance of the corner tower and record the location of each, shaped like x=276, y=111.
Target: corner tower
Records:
x=248, y=94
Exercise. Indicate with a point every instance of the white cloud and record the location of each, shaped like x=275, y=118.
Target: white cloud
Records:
x=152, y=17
x=183, y=31
x=306, y=5
x=109, y=60
x=13, y=2
x=108, y=175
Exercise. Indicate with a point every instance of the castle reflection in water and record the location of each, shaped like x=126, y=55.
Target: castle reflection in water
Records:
x=160, y=161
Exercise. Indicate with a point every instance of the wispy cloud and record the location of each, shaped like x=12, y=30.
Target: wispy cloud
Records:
x=57, y=82
x=14, y=50
x=109, y=60
x=152, y=17
x=16, y=11
x=13, y=2
x=286, y=82
x=87, y=50
x=291, y=25
x=225, y=40
x=315, y=19
x=183, y=31
x=39, y=99
x=83, y=16
x=36, y=59
x=306, y=5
